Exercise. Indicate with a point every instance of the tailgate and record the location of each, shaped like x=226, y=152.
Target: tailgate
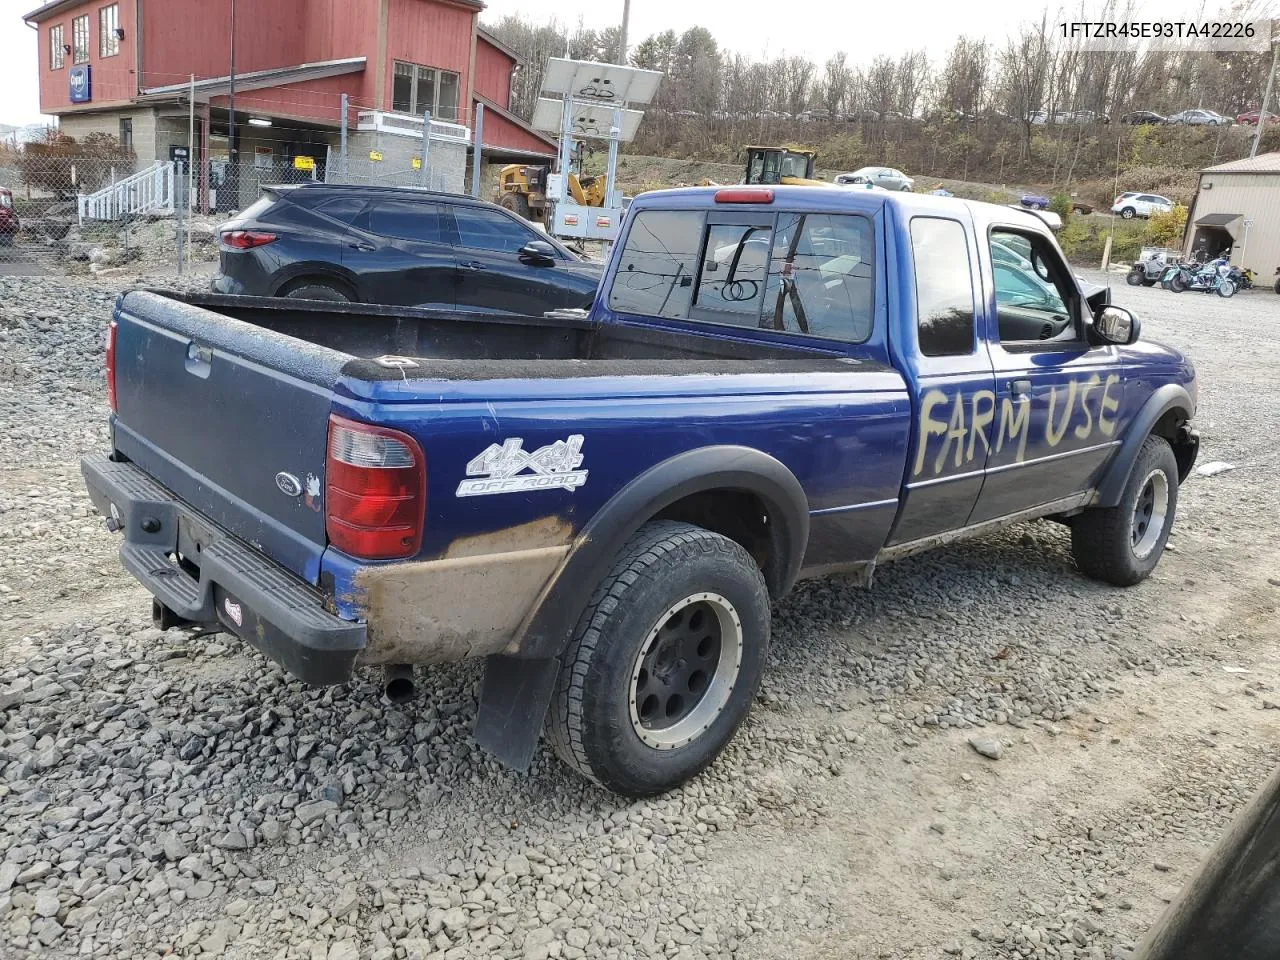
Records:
x=232, y=418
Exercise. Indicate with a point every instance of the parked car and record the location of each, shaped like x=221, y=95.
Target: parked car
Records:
x=1143, y=118
x=398, y=245
x=10, y=225
x=1081, y=207
x=1251, y=117
x=1200, y=118
x=580, y=501
x=1089, y=116
x=1130, y=205
x=1034, y=201
x=1038, y=117
x=886, y=177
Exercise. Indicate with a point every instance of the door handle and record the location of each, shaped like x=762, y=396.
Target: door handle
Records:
x=472, y=265
x=1019, y=388
x=358, y=245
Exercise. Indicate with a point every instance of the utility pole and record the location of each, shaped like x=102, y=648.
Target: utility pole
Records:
x=622, y=40
x=231, y=118
x=1266, y=97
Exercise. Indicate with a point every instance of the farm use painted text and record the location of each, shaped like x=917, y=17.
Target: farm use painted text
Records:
x=956, y=429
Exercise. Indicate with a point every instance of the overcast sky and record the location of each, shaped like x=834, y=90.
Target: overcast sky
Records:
x=815, y=29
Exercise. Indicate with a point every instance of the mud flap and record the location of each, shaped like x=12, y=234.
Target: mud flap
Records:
x=514, y=697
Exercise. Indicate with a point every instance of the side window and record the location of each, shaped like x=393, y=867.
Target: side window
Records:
x=483, y=229
x=407, y=220
x=731, y=282
x=1033, y=290
x=821, y=278
x=944, y=287
x=657, y=264
x=342, y=209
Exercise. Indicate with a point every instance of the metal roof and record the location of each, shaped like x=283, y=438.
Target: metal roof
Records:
x=1262, y=163
x=1217, y=219
x=256, y=79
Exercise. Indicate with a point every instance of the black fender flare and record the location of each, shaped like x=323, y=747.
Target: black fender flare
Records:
x=517, y=687
x=1171, y=396
x=546, y=631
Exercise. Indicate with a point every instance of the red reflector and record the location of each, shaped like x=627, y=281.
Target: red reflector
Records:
x=246, y=239
x=744, y=195
x=375, y=489
x=111, y=364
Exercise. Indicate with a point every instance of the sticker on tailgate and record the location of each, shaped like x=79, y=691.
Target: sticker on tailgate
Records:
x=501, y=469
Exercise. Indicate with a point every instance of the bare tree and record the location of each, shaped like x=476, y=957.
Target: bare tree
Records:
x=1025, y=65
x=836, y=79
x=881, y=85
x=962, y=86
x=911, y=79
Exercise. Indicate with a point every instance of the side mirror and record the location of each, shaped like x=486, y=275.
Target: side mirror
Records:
x=1116, y=325
x=539, y=251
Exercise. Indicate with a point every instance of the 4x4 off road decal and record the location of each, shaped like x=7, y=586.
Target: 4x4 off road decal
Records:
x=501, y=469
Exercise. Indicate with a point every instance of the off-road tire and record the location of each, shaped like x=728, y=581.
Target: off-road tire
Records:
x=316, y=290
x=1102, y=537
x=517, y=203
x=591, y=726
x=1136, y=277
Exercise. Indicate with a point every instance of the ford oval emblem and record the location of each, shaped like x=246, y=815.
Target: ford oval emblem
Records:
x=289, y=485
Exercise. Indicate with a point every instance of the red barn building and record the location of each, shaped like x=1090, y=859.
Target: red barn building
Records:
x=125, y=68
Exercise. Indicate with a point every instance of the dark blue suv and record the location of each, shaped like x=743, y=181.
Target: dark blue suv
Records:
x=398, y=245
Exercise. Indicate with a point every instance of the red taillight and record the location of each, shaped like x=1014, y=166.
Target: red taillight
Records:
x=744, y=195
x=246, y=239
x=375, y=489
x=111, y=364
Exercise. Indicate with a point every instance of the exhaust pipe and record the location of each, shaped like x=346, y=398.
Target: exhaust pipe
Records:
x=397, y=682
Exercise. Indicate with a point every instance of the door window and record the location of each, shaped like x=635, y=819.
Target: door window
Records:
x=483, y=229
x=944, y=287
x=407, y=220
x=1034, y=293
x=821, y=279
x=657, y=264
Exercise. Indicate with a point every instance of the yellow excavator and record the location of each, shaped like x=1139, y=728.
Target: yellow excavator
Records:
x=787, y=165
x=522, y=188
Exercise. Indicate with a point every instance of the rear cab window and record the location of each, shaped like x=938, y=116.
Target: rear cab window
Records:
x=804, y=273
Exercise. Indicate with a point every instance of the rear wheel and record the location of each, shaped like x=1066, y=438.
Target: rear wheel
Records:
x=517, y=203
x=1178, y=283
x=664, y=662
x=316, y=290
x=1128, y=213
x=1123, y=544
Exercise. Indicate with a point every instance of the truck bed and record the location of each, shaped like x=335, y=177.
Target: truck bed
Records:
x=502, y=344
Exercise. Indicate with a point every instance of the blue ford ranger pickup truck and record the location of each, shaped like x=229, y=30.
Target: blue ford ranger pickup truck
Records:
x=772, y=383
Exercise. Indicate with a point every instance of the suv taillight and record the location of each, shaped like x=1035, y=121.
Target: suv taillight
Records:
x=111, y=364
x=375, y=491
x=246, y=239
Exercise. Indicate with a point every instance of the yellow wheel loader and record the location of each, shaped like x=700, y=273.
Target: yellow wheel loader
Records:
x=789, y=165
x=522, y=189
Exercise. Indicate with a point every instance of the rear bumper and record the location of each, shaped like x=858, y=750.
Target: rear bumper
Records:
x=235, y=586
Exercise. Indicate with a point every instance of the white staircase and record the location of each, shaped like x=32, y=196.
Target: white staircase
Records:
x=149, y=191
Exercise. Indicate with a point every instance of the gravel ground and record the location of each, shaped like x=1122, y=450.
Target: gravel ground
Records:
x=171, y=794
